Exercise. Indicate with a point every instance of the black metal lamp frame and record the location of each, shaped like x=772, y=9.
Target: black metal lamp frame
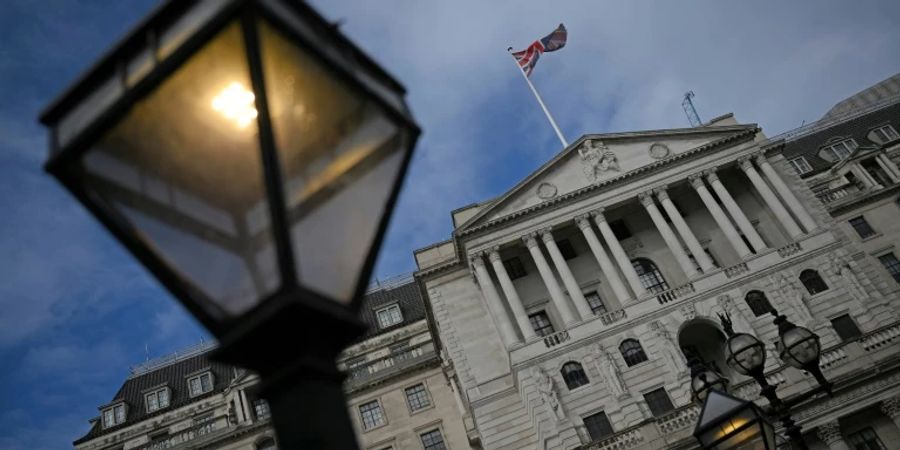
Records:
x=778, y=408
x=292, y=336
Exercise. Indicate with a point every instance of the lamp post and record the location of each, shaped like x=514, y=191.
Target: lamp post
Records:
x=797, y=347
x=249, y=155
x=730, y=423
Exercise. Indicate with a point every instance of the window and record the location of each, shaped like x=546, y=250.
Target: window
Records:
x=598, y=426
x=884, y=134
x=595, y=302
x=619, y=229
x=261, y=409
x=371, y=415
x=417, y=397
x=114, y=415
x=874, y=169
x=200, y=384
x=433, y=440
x=650, y=276
x=862, y=227
x=565, y=247
x=389, y=315
x=846, y=328
x=514, y=268
x=632, y=352
x=758, y=303
x=266, y=444
x=541, y=323
x=865, y=439
x=800, y=165
x=891, y=264
x=838, y=151
x=813, y=282
x=157, y=399
x=659, y=402
x=573, y=374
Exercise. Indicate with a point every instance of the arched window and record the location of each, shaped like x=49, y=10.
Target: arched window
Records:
x=266, y=444
x=632, y=352
x=813, y=282
x=650, y=276
x=758, y=303
x=574, y=375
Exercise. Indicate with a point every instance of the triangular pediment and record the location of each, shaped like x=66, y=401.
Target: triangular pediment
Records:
x=598, y=158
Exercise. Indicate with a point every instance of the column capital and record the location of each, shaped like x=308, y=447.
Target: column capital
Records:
x=582, y=221
x=530, y=240
x=477, y=259
x=646, y=198
x=661, y=189
x=746, y=162
x=830, y=432
x=494, y=254
x=711, y=174
x=661, y=194
x=546, y=234
x=696, y=180
x=598, y=216
x=891, y=407
x=760, y=158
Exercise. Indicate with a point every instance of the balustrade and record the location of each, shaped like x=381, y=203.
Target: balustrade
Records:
x=831, y=358
x=611, y=317
x=678, y=419
x=552, y=340
x=878, y=338
x=790, y=249
x=675, y=293
x=736, y=270
x=628, y=438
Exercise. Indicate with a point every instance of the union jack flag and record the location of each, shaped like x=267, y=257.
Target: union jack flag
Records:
x=528, y=58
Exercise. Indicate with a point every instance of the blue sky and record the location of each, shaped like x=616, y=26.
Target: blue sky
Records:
x=76, y=311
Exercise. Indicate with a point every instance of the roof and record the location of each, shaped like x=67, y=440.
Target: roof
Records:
x=407, y=296
x=856, y=127
x=883, y=90
x=174, y=376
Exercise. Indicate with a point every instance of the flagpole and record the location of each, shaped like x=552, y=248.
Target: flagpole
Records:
x=540, y=101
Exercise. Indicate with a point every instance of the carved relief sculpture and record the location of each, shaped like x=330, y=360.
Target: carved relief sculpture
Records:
x=674, y=359
x=548, y=392
x=841, y=268
x=796, y=299
x=610, y=371
x=597, y=159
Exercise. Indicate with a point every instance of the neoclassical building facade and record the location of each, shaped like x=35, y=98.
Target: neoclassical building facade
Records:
x=567, y=305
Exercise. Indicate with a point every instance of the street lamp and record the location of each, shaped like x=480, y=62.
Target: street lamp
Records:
x=797, y=347
x=705, y=380
x=249, y=155
x=730, y=423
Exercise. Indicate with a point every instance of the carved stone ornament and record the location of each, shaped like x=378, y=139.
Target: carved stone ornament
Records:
x=546, y=191
x=659, y=151
x=611, y=374
x=547, y=390
x=597, y=159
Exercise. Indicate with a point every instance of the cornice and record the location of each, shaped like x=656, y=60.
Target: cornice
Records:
x=567, y=198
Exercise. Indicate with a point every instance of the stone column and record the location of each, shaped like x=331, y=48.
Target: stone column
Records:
x=736, y=212
x=889, y=165
x=619, y=254
x=494, y=304
x=606, y=266
x=584, y=310
x=684, y=230
x=515, y=303
x=830, y=434
x=786, y=193
x=891, y=408
x=769, y=197
x=556, y=294
x=668, y=236
x=719, y=216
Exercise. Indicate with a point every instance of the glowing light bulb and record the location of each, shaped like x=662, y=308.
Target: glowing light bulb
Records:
x=236, y=103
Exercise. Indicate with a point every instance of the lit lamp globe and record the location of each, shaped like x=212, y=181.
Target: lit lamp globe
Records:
x=249, y=155
x=731, y=423
x=800, y=348
x=745, y=353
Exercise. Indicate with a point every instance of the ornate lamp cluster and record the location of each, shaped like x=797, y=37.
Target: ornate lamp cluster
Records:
x=797, y=347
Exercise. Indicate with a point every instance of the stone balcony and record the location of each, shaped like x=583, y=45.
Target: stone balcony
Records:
x=652, y=302
x=390, y=365
x=658, y=432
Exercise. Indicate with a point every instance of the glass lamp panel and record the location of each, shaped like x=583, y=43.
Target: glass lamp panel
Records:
x=183, y=168
x=801, y=347
x=716, y=406
x=340, y=156
x=745, y=353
